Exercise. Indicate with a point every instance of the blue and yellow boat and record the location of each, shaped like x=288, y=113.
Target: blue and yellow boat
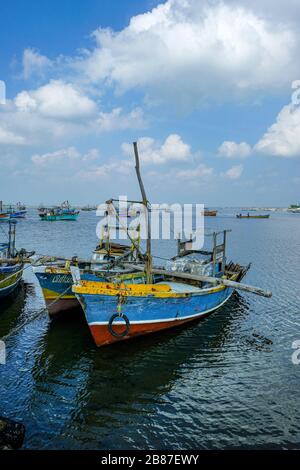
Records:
x=130, y=306
x=11, y=266
x=56, y=281
x=195, y=284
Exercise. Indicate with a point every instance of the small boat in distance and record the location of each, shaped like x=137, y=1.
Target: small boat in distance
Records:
x=250, y=216
x=4, y=217
x=208, y=213
x=89, y=208
x=62, y=212
x=12, y=212
x=295, y=208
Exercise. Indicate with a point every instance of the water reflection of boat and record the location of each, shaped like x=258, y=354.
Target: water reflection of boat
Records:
x=99, y=398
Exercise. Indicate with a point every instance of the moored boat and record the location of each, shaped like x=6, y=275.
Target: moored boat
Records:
x=125, y=308
x=62, y=212
x=295, y=208
x=55, y=277
x=197, y=283
x=4, y=217
x=209, y=213
x=11, y=266
x=252, y=216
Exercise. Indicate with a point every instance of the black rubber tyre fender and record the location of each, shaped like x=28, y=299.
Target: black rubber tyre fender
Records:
x=110, y=325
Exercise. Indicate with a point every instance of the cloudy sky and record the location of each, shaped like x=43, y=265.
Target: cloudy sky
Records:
x=209, y=88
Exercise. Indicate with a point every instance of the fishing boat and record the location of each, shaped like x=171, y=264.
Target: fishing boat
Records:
x=252, y=216
x=89, y=208
x=12, y=212
x=11, y=265
x=4, y=217
x=197, y=283
x=55, y=277
x=295, y=208
x=209, y=213
x=62, y=212
x=21, y=207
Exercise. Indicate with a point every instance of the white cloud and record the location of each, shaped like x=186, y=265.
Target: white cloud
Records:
x=195, y=49
x=201, y=171
x=60, y=110
x=151, y=151
x=234, y=172
x=230, y=149
x=283, y=137
x=45, y=159
x=118, y=120
x=63, y=156
x=122, y=167
x=56, y=99
x=34, y=63
x=8, y=137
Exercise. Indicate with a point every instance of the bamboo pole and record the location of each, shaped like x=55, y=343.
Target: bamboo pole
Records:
x=148, y=263
x=210, y=280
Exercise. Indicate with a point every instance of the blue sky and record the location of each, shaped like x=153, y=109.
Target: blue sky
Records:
x=205, y=87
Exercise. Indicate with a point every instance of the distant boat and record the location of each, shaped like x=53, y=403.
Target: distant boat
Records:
x=20, y=206
x=15, y=213
x=89, y=208
x=294, y=208
x=8, y=212
x=4, y=217
x=208, y=213
x=62, y=212
x=248, y=216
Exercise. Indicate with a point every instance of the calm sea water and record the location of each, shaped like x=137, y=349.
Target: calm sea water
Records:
x=225, y=382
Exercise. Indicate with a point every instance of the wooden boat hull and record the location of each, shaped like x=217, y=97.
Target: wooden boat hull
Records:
x=10, y=278
x=210, y=213
x=253, y=216
x=146, y=314
x=52, y=218
x=18, y=215
x=57, y=289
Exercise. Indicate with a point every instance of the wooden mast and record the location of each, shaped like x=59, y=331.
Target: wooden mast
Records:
x=148, y=257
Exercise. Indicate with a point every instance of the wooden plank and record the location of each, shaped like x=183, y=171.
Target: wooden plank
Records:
x=209, y=279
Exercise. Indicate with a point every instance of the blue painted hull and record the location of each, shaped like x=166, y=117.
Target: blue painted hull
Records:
x=9, y=282
x=57, y=291
x=148, y=314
